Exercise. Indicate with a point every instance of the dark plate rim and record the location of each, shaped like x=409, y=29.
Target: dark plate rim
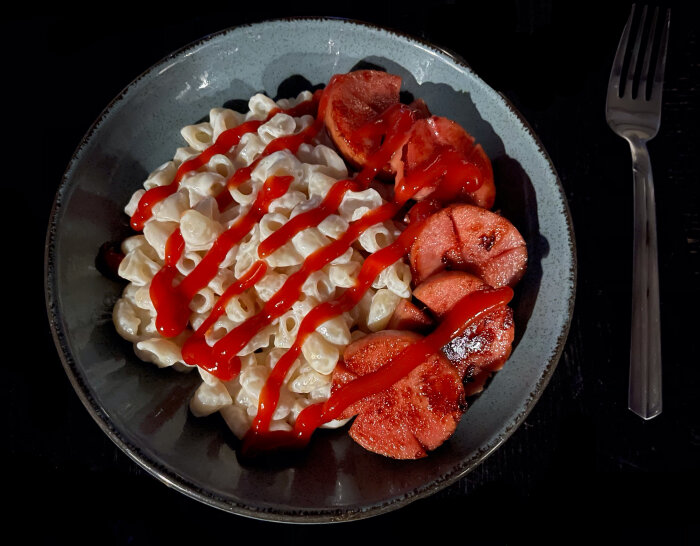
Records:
x=169, y=477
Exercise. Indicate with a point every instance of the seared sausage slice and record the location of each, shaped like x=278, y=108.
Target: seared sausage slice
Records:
x=435, y=247
x=485, y=196
x=490, y=245
x=415, y=415
x=483, y=347
x=474, y=381
x=371, y=352
x=469, y=238
x=354, y=100
x=366, y=355
x=384, y=429
x=442, y=291
x=409, y=317
x=421, y=108
x=341, y=376
x=427, y=138
x=437, y=401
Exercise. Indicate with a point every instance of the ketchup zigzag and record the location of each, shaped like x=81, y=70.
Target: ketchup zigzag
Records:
x=172, y=301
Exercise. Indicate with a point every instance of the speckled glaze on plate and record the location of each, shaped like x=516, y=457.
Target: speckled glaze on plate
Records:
x=144, y=410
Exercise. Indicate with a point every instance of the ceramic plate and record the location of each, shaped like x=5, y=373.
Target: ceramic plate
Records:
x=144, y=410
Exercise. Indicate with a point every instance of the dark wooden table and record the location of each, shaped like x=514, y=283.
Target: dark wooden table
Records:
x=581, y=468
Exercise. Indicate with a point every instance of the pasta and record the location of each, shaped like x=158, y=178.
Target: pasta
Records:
x=193, y=211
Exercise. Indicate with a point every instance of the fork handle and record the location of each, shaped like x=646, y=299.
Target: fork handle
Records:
x=645, y=351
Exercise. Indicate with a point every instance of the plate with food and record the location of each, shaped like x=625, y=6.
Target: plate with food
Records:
x=309, y=270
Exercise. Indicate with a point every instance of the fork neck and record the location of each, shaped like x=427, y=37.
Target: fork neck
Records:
x=641, y=162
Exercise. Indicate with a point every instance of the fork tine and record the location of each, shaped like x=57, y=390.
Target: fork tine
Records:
x=644, y=76
x=631, y=71
x=616, y=73
x=658, y=84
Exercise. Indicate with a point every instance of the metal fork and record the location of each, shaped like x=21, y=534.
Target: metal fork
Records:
x=635, y=117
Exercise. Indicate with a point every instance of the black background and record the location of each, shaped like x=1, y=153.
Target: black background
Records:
x=581, y=468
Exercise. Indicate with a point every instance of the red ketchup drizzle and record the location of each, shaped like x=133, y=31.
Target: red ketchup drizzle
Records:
x=223, y=355
x=171, y=306
x=226, y=140
x=222, y=359
x=466, y=312
x=196, y=345
x=172, y=302
x=394, y=124
x=455, y=175
x=371, y=268
x=287, y=142
x=447, y=168
x=248, y=280
x=310, y=218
